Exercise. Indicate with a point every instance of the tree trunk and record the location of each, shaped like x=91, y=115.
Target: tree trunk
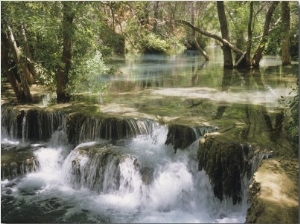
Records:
x=28, y=54
x=258, y=54
x=62, y=74
x=8, y=71
x=23, y=71
x=228, y=62
x=193, y=18
x=201, y=51
x=248, y=62
x=285, y=33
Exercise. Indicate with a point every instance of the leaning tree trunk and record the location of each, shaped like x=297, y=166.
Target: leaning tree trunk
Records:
x=28, y=53
x=23, y=71
x=201, y=51
x=228, y=62
x=62, y=74
x=261, y=47
x=285, y=34
x=8, y=71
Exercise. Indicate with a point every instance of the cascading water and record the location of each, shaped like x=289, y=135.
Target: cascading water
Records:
x=137, y=179
x=31, y=124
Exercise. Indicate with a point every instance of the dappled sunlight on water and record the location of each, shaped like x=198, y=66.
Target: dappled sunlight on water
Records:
x=247, y=97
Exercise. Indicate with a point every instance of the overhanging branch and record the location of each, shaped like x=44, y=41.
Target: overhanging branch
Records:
x=211, y=35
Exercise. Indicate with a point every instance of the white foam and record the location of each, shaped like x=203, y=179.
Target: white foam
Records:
x=177, y=192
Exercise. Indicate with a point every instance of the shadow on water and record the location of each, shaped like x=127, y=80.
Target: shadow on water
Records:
x=272, y=121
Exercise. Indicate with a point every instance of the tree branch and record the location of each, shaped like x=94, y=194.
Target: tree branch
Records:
x=211, y=35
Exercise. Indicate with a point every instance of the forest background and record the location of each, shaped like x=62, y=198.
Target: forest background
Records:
x=65, y=45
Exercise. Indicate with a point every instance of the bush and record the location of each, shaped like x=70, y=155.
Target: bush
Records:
x=292, y=112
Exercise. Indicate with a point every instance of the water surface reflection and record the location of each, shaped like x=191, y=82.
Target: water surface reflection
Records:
x=187, y=89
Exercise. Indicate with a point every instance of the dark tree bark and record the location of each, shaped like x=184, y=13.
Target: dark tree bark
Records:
x=228, y=62
x=62, y=74
x=258, y=54
x=248, y=61
x=285, y=33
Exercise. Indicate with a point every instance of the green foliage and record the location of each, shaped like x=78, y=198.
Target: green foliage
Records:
x=273, y=46
x=292, y=112
x=111, y=42
x=151, y=43
x=104, y=27
x=89, y=75
x=294, y=29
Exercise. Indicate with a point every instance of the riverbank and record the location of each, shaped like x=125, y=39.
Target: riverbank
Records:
x=274, y=192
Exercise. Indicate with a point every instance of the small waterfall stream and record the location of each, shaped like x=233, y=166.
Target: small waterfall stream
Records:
x=131, y=179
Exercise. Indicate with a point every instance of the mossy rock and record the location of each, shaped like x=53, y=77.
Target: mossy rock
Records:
x=17, y=161
x=226, y=160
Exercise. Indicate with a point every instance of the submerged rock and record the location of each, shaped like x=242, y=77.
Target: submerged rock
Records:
x=17, y=161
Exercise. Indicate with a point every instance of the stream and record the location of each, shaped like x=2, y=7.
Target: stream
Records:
x=138, y=178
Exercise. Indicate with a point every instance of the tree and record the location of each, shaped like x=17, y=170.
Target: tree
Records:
x=63, y=69
x=19, y=80
x=248, y=61
x=285, y=34
x=259, y=51
x=224, y=39
x=14, y=56
x=225, y=35
x=20, y=88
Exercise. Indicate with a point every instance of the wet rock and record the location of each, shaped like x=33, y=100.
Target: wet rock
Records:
x=181, y=136
x=17, y=161
x=226, y=162
x=147, y=175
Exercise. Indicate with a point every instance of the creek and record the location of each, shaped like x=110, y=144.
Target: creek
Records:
x=95, y=170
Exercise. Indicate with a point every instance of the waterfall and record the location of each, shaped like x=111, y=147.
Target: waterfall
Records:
x=9, y=127
x=110, y=128
x=24, y=129
x=121, y=170
x=30, y=124
x=200, y=131
x=95, y=167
